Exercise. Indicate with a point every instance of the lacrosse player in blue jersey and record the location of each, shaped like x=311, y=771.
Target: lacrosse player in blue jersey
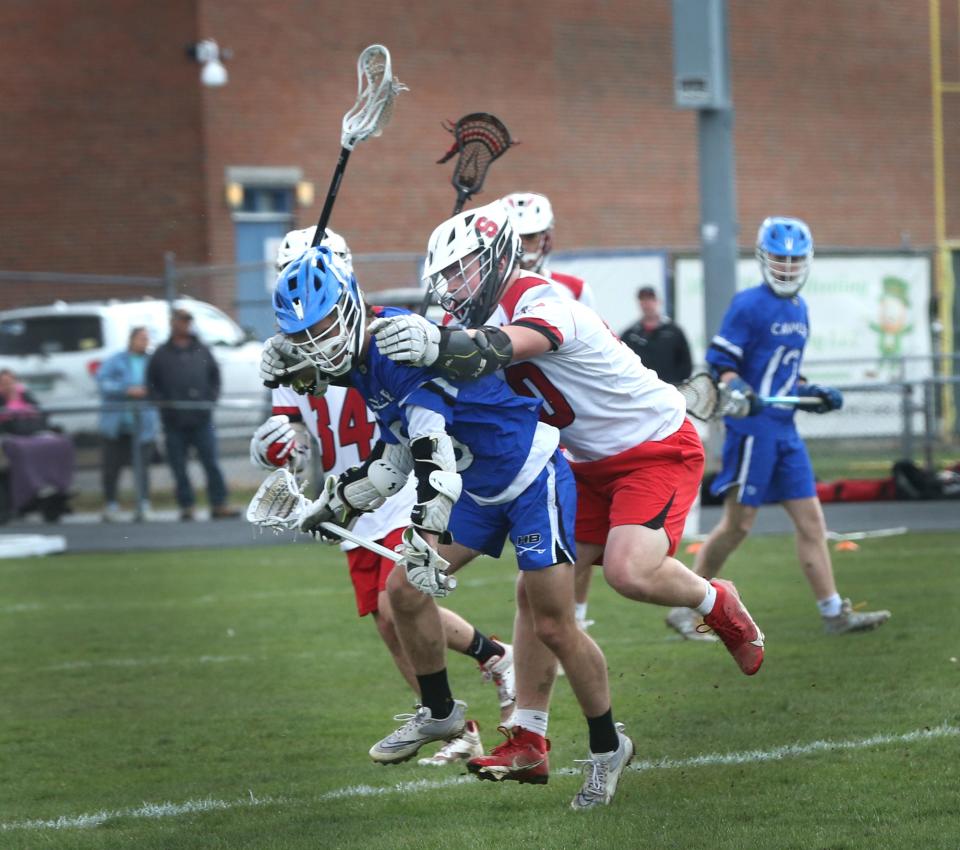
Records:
x=486, y=468
x=758, y=352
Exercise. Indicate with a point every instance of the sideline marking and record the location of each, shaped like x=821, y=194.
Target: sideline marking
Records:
x=165, y=810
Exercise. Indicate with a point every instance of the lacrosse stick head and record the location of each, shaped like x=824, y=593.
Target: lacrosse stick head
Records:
x=278, y=502
x=376, y=90
x=479, y=138
x=703, y=397
x=470, y=259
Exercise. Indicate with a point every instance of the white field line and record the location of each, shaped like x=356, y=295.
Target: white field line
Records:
x=161, y=810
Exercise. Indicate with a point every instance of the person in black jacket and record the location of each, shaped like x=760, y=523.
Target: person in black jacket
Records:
x=659, y=343
x=184, y=369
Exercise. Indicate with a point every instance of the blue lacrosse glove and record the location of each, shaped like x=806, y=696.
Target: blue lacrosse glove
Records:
x=830, y=398
x=742, y=400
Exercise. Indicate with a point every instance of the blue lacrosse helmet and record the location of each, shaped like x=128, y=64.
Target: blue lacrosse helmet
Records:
x=319, y=306
x=785, y=250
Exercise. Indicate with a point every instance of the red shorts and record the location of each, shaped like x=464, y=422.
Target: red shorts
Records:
x=653, y=484
x=369, y=571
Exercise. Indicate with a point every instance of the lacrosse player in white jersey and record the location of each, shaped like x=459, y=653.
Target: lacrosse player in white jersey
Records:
x=339, y=424
x=636, y=457
x=533, y=220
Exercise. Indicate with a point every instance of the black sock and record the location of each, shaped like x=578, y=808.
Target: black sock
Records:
x=435, y=693
x=482, y=648
x=603, y=734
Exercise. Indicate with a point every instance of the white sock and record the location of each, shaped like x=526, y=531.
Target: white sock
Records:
x=831, y=606
x=531, y=720
x=706, y=606
x=580, y=611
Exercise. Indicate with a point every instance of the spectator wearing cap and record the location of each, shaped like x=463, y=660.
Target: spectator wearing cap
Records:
x=183, y=369
x=659, y=343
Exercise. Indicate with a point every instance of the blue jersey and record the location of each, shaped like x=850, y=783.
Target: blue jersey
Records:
x=762, y=339
x=493, y=430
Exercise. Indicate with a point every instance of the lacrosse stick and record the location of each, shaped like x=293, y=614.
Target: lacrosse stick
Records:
x=279, y=504
x=709, y=399
x=479, y=138
x=376, y=90
x=867, y=535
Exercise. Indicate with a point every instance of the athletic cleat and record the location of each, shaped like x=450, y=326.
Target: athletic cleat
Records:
x=499, y=670
x=735, y=627
x=583, y=625
x=465, y=746
x=418, y=729
x=689, y=623
x=522, y=758
x=849, y=620
x=602, y=774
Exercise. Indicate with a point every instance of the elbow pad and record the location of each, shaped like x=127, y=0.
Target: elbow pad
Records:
x=438, y=482
x=364, y=488
x=467, y=357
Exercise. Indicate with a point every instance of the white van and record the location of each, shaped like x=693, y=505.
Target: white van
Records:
x=55, y=350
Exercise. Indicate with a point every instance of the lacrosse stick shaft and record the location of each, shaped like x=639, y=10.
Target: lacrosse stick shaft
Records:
x=331, y=196
x=795, y=400
x=349, y=536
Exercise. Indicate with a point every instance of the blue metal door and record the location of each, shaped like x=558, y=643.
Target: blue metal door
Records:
x=257, y=240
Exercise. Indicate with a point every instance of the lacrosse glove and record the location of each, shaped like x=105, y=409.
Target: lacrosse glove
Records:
x=742, y=400
x=282, y=365
x=328, y=507
x=407, y=338
x=275, y=444
x=425, y=569
x=830, y=398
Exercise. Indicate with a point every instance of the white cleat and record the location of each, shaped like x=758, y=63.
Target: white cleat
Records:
x=499, y=670
x=688, y=622
x=418, y=729
x=602, y=774
x=849, y=620
x=465, y=746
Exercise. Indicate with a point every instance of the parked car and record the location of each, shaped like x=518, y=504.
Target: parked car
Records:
x=56, y=350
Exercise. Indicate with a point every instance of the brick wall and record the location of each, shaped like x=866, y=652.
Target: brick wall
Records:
x=117, y=154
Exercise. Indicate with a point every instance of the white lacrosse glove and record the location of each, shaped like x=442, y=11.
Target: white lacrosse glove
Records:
x=275, y=444
x=407, y=338
x=277, y=359
x=425, y=569
x=329, y=507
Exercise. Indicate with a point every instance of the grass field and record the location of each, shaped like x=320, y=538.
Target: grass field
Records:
x=226, y=699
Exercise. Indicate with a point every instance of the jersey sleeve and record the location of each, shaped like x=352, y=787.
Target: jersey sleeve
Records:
x=286, y=401
x=726, y=351
x=548, y=313
x=437, y=395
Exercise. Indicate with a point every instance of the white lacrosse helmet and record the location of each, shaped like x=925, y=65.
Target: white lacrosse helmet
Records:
x=532, y=214
x=470, y=258
x=297, y=241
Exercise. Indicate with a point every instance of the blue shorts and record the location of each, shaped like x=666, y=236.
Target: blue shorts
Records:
x=539, y=522
x=768, y=468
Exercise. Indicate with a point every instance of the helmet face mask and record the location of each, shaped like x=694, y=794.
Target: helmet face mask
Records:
x=319, y=307
x=532, y=216
x=785, y=252
x=470, y=259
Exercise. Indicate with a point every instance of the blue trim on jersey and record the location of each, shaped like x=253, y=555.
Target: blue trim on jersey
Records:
x=762, y=338
x=768, y=467
x=539, y=522
x=491, y=423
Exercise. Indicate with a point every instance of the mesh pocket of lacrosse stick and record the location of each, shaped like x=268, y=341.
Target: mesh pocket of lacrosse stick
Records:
x=704, y=399
x=278, y=502
x=376, y=90
x=479, y=138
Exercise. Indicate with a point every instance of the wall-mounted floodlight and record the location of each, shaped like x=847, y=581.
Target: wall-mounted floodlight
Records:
x=208, y=54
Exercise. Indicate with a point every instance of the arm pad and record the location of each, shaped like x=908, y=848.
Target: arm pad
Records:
x=438, y=482
x=383, y=474
x=465, y=356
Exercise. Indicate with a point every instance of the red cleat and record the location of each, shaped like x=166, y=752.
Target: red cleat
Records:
x=735, y=627
x=522, y=758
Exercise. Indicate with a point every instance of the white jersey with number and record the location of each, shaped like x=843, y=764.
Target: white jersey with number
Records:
x=594, y=388
x=344, y=432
